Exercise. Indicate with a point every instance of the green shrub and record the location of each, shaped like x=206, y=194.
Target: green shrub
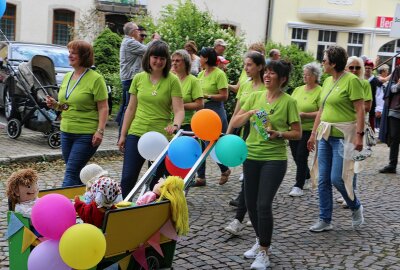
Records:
x=183, y=21
x=106, y=54
x=297, y=57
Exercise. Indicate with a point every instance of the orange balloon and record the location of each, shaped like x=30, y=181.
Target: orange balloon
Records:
x=206, y=124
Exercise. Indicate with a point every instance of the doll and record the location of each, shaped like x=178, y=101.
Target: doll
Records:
x=172, y=189
x=88, y=175
x=106, y=193
x=22, y=190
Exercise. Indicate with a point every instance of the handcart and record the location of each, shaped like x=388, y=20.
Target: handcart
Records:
x=125, y=229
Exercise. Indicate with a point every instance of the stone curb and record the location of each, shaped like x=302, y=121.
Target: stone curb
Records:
x=51, y=157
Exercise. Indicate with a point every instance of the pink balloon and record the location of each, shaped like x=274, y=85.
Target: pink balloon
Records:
x=52, y=215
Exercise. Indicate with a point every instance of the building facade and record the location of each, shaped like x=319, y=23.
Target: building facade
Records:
x=360, y=26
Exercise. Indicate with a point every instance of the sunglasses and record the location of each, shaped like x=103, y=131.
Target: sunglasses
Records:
x=143, y=35
x=354, y=67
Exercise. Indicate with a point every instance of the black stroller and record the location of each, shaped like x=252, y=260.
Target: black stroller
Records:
x=30, y=84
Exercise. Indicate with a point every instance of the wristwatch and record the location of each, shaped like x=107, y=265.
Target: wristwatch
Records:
x=177, y=126
x=101, y=131
x=280, y=135
x=361, y=133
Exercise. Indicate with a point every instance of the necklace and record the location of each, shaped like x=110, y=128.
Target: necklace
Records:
x=155, y=86
x=69, y=90
x=273, y=107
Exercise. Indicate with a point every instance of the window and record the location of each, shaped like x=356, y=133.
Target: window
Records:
x=299, y=37
x=355, y=44
x=63, y=21
x=325, y=39
x=7, y=23
x=228, y=26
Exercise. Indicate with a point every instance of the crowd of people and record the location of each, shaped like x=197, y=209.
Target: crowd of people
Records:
x=162, y=91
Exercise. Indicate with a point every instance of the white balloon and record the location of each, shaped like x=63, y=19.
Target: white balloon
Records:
x=151, y=144
x=214, y=156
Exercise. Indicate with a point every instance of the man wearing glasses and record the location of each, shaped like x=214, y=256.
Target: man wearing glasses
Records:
x=131, y=53
x=143, y=34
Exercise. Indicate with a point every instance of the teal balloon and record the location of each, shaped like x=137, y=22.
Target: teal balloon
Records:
x=2, y=7
x=231, y=150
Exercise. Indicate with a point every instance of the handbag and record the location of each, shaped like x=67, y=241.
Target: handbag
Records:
x=370, y=139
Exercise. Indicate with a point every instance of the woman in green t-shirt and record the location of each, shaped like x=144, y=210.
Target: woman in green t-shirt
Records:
x=155, y=94
x=266, y=163
x=83, y=102
x=191, y=89
x=214, y=84
x=340, y=118
x=356, y=66
x=254, y=65
x=308, y=99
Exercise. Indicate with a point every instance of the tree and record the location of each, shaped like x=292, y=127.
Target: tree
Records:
x=106, y=51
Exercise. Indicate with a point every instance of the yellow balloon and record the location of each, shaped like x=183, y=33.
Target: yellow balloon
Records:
x=82, y=246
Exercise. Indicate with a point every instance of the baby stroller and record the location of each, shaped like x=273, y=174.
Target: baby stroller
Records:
x=29, y=86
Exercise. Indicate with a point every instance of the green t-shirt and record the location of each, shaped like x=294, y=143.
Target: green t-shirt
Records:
x=191, y=91
x=307, y=101
x=282, y=113
x=82, y=116
x=154, y=103
x=367, y=90
x=246, y=89
x=339, y=104
x=213, y=82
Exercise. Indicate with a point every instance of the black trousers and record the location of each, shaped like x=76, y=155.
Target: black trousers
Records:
x=261, y=183
x=300, y=155
x=394, y=133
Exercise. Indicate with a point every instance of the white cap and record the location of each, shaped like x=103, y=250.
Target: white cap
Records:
x=91, y=172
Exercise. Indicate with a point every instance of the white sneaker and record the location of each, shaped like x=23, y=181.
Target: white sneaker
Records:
x=307, y=184
x=248, y=223
x=252, y=253
x=234, y=227
x=261, y=262
x=296, y=192
x=340, y=200
x=241, y=177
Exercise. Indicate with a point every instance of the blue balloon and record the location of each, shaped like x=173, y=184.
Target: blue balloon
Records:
x=231, y=150
x=2, y=7
x=184, y=152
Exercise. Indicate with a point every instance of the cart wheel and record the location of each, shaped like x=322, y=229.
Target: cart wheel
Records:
x=152, y=263
x=54, y=140
x=14, y=128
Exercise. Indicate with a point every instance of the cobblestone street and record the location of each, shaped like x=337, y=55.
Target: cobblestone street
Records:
x=375, y=246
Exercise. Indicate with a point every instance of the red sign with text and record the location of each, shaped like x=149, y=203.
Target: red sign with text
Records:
x=384, y=22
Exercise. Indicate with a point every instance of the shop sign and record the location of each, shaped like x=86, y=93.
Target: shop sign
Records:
x=384, y=22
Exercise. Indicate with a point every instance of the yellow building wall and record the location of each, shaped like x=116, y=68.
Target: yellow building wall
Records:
x=343, y=16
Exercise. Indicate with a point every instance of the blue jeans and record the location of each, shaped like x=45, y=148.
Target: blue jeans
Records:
x=125, y=101
x=76, y=150
x=217, y=107
x=330, y=164
x=132, y=166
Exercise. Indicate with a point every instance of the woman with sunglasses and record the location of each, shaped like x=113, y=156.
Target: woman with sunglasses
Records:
x=356, y=66
x=266, y=163
x=191, y=89
x=214, y=84
x=340, y=118
x=155, y=94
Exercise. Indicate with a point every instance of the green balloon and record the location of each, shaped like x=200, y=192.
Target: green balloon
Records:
x=231, y=150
